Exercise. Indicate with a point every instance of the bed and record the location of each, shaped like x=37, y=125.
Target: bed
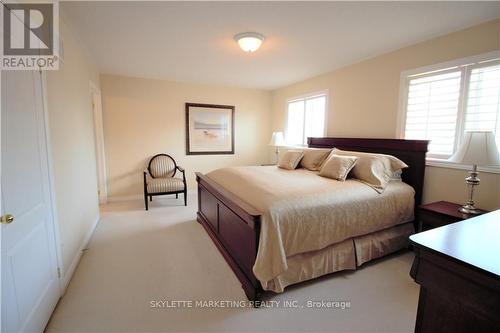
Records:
x=252, y=214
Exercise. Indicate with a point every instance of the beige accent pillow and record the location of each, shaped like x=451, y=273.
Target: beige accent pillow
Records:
x=314, y=158
x=290, y=159
x=338, y=167
x=375, y=170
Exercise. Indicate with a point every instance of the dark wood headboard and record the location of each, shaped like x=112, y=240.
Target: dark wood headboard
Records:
x=412, y=152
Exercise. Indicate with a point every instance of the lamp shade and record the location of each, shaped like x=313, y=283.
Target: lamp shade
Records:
x=477, y=148
x=277, y=139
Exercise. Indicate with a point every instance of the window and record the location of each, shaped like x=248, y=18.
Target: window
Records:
x=306, y=118
x=442, y=103
x=483, y=100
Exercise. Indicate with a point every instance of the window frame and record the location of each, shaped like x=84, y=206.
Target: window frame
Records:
x=477, y=61
x=305, y=97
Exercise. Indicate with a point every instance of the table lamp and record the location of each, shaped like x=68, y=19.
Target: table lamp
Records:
x=477, y=148
x=277, y=141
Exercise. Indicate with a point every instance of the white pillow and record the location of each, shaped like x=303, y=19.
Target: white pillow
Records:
x=374, y=170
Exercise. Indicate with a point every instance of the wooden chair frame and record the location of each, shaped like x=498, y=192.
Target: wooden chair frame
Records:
x=148, y=171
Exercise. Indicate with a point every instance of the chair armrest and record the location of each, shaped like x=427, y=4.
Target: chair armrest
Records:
x=181, y=169
x=145, y=180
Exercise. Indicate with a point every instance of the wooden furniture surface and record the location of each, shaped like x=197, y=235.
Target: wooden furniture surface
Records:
x=458, y=269
x=234, y=226
x=440, y=213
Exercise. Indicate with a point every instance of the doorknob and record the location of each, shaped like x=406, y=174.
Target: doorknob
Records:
x=6, y=219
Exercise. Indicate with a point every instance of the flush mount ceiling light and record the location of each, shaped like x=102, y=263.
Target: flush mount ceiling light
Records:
x=249, y=41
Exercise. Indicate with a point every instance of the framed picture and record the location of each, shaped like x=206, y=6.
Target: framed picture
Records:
x=209, y=129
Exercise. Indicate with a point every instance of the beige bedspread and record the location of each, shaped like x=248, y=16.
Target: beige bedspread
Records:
x=304, y=212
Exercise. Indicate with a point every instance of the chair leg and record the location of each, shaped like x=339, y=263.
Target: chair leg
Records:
x=177, y=195
x=146, y=201
x=185, y=198
x=150, y=198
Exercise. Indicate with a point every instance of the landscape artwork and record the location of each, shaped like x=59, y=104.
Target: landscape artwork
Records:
x=209, y=129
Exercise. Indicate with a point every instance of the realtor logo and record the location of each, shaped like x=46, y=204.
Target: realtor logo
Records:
x=34, y=22
x=29, y=36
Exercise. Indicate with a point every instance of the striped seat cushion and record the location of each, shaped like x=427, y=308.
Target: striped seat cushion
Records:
x=160, y=185
x=162, y=166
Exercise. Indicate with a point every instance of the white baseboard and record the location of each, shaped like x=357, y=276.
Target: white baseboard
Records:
x=74, y=263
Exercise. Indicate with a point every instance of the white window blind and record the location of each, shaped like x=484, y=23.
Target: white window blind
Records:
x=295, y=128
x=441, y=104
x=306, y=118
x=432, y=110
x=483, y=100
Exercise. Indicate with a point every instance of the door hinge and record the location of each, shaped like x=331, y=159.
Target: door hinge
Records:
x=58, y=272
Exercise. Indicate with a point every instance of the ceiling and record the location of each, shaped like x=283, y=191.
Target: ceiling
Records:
x=193, y=41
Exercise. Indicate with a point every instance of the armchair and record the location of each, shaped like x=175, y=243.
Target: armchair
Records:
x=159, y=178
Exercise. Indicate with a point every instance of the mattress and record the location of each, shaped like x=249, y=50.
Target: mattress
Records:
x=302, y=212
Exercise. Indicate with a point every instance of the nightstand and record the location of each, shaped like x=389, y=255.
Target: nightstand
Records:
x=437, y=214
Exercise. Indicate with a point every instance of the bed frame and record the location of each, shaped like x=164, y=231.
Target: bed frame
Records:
x=234, y=226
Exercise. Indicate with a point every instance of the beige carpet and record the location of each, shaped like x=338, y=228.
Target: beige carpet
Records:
x=136, y=257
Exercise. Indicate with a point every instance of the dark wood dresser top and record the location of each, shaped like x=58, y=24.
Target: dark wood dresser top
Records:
x=475, y=241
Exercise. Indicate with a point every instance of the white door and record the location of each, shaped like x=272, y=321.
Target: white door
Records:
x=30, y=283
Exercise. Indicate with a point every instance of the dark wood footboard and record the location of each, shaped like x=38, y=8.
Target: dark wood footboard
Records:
x=234, y=227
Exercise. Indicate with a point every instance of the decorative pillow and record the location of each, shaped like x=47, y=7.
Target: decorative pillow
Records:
x=313, y=158
x=290, y=159
x=337, y=166
x=374, y=170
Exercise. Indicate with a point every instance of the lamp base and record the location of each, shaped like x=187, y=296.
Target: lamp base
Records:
x=468, y=209
x=471, y=181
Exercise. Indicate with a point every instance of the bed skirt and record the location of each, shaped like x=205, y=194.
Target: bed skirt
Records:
x=345, y=255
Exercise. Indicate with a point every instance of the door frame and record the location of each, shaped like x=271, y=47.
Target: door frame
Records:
x=53, y=205
x=100, y=151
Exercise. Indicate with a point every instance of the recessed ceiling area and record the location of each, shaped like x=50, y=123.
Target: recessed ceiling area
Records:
x=194, y=41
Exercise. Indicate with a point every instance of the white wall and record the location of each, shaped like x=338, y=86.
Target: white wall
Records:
x=144, y=117
x=72, y=141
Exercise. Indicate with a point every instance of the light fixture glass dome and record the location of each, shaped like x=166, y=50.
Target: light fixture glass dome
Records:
x=249, y=41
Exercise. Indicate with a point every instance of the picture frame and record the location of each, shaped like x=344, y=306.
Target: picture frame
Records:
x=209, y=129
